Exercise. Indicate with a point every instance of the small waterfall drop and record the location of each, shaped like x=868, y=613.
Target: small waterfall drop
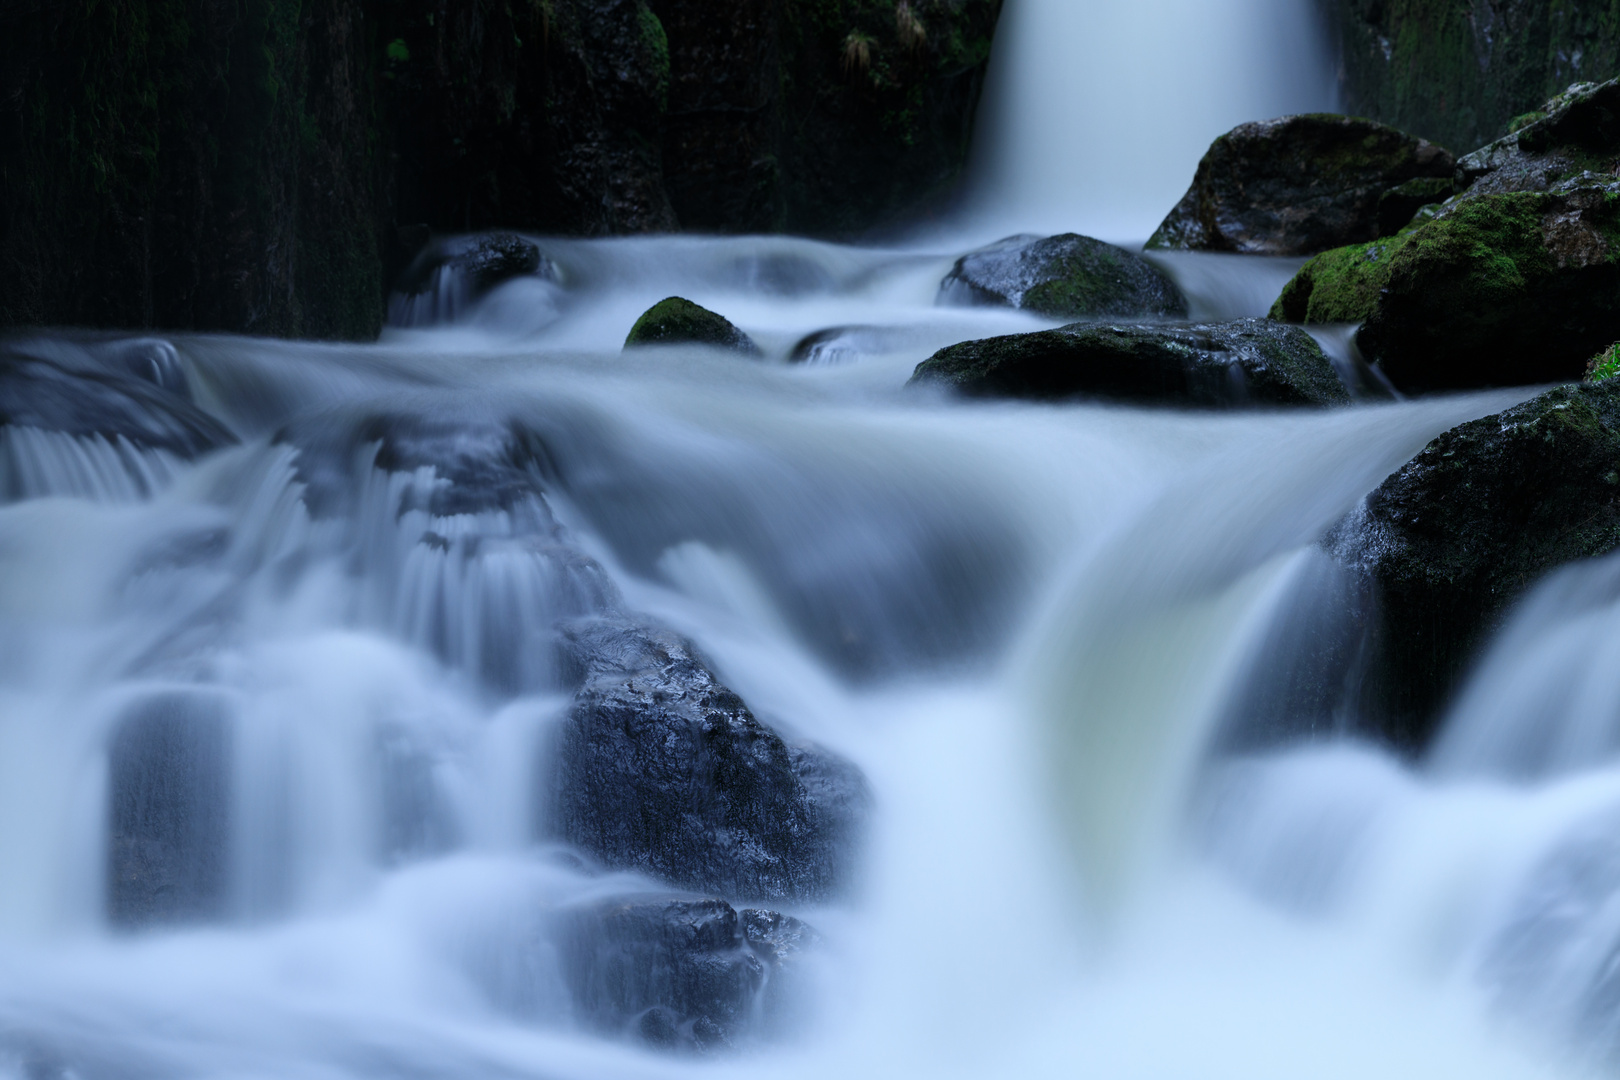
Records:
x=1095, y=114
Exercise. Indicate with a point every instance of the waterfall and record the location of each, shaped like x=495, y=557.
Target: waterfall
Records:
x=300, y=650
x=1095, y=114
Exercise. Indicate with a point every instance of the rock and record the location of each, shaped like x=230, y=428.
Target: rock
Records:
x=1339, y=286
x=680, y=973
x=1573, y=142
x=1397, y=206
x=1248, y=362
x=1460, y=73
x=1449, y=541
x=674, y=321
x=480, y=262
x=71, y=393
x=1296, y=186
x=1066, y=277
x=661, y=769
x=1498, y=290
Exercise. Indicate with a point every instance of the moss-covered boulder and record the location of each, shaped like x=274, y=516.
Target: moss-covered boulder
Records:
x=1494, y=290
x=1066, y=277
x=1500, y=290
x=1449, y=541
x=1339, y=286
x=1221, y=365
x=676, y=321
x=1297, y=185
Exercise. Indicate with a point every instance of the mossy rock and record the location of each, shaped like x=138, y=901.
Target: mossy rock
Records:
x=1222, y=365
x=1500, y=290
x=1297, y=185
x=1446, y=544
x=676, y=321
x=1496, y=290
x=1066, y=277
x=1338, y=286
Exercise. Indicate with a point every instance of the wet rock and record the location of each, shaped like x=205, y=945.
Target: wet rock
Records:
x=1220, y=365
x=680, y=973
x=675, y=321
x=60, y=393
x=1572, y=141
x=661, y=769
x=1066, y=277
x=1449, y=541
x=481, y=262
x=1498, y=290
x=168, y=830
x=1296, y=185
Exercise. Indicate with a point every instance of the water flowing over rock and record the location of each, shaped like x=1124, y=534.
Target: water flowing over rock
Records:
x=71, y=391
x=1449, y=541
x=681, y=973
x=1222, y=365
x=1297, y=185
x=1066, y=277
x=660, y=768
x=676, y=321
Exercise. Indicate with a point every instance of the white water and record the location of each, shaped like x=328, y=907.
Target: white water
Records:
x=1026, y=625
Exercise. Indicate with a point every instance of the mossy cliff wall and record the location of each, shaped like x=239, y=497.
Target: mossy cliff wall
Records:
x=1457, y=71
x=265, y=165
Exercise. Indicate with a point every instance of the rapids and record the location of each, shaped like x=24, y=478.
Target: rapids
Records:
x=1104, y=842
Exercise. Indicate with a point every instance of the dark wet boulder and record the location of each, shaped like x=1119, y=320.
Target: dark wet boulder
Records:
x=676, y=321
x=1572, y=141
x=1066, y=277
x=465, y=268
x=1498, y=290
x=680, y=973
x=1219, y=365
x=1449, y=541
x=660, y=768
x=64, y=390
x=1296, y=185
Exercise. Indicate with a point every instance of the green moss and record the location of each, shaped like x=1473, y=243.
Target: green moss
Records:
x=398, y=51
x=677, y=321
x=1338, y=286
x=1525, y=120
x=656, y=42
x=1605, y=365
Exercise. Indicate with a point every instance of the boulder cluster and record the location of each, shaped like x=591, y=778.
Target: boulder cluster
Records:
x=1498, y=268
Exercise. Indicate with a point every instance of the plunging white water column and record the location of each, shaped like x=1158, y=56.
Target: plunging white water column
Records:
x=1097, y=111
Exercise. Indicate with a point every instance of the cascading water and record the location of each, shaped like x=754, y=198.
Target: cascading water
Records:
x=285, y=689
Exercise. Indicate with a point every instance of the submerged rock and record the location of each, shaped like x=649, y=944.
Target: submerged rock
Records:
x=661, y=769
x=1248, y=362
x=59, y=393
x=676, y=321
x=1065, y=276
x=1297, y=185
x=678, y=972
x=1449, y=541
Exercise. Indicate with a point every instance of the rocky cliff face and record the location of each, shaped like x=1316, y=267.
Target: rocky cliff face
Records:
x=267, y=166
x=1458, y=72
